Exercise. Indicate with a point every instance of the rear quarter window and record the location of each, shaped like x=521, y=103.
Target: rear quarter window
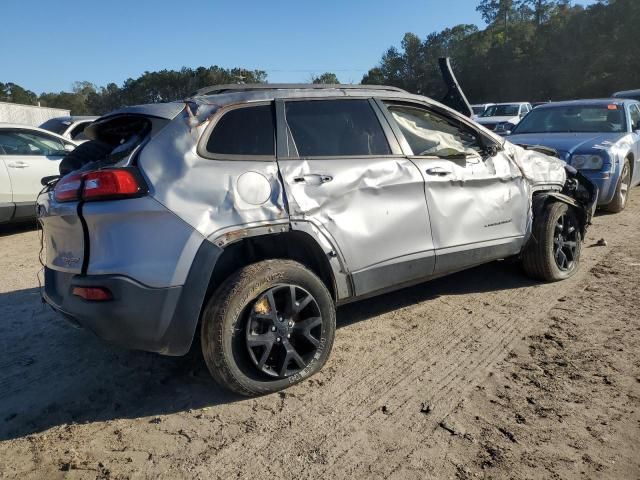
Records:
x=245, y=131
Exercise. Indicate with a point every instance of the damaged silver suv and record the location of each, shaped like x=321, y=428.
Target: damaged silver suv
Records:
x=246, y=214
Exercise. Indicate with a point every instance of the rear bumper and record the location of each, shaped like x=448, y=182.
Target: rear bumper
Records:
x=138, y=317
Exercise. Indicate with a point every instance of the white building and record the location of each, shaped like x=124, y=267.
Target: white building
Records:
x=28, y=114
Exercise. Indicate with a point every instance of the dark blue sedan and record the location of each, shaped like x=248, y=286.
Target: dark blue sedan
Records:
x=601, y=138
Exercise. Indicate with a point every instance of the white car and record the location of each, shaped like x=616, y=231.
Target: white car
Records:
x=71, y=128
x=502, y=117
x=27, y=154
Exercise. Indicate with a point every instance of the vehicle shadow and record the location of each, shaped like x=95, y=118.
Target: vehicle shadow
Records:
x=8, y=229
x=53, y=374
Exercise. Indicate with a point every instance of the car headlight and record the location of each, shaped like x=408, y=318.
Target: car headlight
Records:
x=587, y=162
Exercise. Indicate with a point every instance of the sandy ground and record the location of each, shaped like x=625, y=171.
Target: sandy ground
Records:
x=484, y=374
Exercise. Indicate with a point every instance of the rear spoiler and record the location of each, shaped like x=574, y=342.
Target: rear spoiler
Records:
x=455, y=97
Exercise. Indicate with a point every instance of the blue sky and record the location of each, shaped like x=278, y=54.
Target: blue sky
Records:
x=45, y=45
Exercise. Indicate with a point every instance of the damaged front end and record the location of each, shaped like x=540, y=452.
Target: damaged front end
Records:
x=552, y=178
x=580, y=192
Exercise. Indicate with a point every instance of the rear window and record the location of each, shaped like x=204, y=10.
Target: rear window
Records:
x=501, y=111
x=245, y=131
x=56, y=126
x=335, y=128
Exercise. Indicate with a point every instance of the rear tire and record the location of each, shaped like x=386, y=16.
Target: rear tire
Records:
x=553, y=251
x=267, y=327
x=622, y=190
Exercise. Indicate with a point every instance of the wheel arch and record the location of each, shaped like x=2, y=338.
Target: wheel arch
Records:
x=629, y=156
x=290, y=245
x=542, y=198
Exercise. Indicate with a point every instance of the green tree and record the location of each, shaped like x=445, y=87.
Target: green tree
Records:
x=14, y=93
x=327, y=78
x=553, y=50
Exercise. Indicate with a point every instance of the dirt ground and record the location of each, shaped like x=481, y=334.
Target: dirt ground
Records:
x=484, y=374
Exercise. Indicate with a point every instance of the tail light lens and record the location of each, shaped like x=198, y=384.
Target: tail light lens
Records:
x=94, y=294
x=109, y=184
x=68, y=188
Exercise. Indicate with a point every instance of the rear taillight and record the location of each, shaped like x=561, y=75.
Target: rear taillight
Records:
x=68, y=188
x=109, y=184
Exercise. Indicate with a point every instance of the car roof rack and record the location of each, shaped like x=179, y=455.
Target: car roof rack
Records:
x=217, y=89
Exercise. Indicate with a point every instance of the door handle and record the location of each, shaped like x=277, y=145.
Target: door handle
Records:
x=313, y=179
x=17, y=165
x=440, y=171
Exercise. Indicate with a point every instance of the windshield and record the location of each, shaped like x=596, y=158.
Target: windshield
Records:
x=56, y=126
x=575, y=118
x=501, y=111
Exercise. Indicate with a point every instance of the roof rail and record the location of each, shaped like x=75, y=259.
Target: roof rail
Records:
x=217, y=89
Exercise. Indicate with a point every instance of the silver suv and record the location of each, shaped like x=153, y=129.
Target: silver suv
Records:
x=248, y=213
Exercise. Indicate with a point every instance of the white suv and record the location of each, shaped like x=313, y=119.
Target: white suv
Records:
x=27, y=154
x=502, y=117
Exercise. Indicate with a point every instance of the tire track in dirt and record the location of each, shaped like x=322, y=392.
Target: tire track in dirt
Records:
x=462, y=374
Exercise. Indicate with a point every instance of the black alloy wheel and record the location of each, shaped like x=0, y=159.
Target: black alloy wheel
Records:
x=283, y=330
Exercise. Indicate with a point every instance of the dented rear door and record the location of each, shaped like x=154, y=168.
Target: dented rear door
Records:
x=344, y=174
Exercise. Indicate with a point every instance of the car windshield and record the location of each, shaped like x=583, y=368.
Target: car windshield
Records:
x=502, y=111
x=56, y=126
x=606, y=118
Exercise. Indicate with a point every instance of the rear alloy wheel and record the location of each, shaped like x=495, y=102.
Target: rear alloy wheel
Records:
x=269, y=326
x=553, y=252
x=622, y=189
x=283, y=331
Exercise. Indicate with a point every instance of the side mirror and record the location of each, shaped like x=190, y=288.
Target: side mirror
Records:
x=69, y=147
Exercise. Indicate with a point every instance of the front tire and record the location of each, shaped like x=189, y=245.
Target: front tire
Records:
x=553, y=251
x=267, y=327
x=622, y=190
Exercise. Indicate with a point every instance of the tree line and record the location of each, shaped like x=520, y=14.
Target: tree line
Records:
x=531, y=50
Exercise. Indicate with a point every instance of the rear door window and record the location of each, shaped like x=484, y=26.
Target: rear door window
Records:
x=21, y=142
x=245, y=131
x=336, y=128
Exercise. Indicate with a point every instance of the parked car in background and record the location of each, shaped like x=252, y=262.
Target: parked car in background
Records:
x=27, y=154
x=274, y=204
x=629, y=94
x=502, y=117
x=601, y=138
x=537, y=104
x=478, y=109
x=71, y=127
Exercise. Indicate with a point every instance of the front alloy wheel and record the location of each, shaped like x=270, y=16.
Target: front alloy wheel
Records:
x=565, y=242
x=621, y=194
x=553, y=251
